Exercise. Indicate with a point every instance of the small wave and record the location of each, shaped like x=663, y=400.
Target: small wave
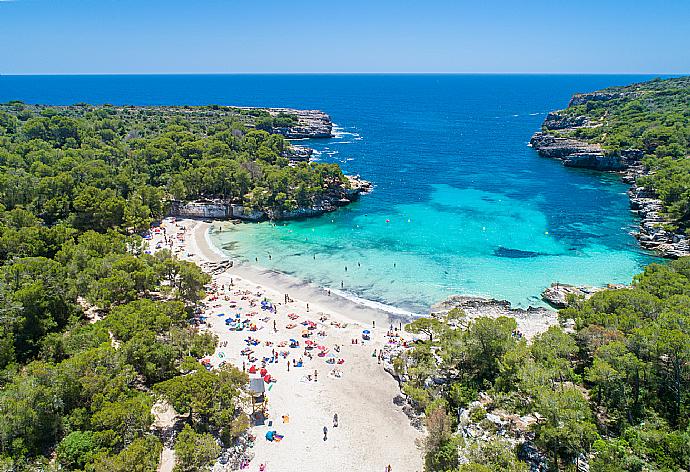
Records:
x=374, y=304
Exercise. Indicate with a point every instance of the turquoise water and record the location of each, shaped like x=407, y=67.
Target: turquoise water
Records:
x=470, y=208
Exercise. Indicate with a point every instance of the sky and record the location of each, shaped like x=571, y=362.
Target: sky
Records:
x=347, y=36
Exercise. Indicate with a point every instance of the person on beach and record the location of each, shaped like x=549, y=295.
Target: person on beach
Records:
x=329, y=292
x=316, y=375
x=335, y=420
x=307, y=306
x=342, y=284
x=325, y=433
x=288, y=363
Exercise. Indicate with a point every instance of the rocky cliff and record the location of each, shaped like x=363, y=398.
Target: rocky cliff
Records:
x=219, y=209
x=310, y=123
x=559, y=139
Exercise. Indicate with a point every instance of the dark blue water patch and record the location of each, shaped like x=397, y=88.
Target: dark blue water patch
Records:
x=515, y=253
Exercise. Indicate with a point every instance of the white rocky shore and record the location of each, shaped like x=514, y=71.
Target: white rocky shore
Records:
x=220, y=209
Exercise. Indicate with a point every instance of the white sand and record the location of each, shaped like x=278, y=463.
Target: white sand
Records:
x=372, y=432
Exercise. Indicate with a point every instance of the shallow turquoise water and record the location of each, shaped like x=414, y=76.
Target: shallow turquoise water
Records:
x=472, y=209
x=460, y=241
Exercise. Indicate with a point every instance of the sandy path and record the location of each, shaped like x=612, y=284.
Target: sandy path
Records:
x=372, y=432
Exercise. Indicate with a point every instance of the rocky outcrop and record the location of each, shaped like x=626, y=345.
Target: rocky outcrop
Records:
x=654, y=233
x=310, y=124
x=582, y=98
x=558, y=295
x=298, y=153
x=555, y=120
x=219, y=209
x=531, y=321
x=576, y=153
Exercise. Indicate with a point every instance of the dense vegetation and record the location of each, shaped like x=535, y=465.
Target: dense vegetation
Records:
x=615, y=390
x=93, y=329
x=653, y=117
x=119, y=167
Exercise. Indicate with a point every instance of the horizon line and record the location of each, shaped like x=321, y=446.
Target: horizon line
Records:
x=58, y=74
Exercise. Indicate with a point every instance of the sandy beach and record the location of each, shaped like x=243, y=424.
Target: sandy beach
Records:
x=337, y=376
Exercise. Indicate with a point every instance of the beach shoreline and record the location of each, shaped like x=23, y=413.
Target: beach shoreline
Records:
x=372, y=432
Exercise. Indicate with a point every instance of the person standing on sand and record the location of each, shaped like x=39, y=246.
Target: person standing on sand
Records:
x=335, y=420
x=288, y=363
x=325, y=433
x=316, y=375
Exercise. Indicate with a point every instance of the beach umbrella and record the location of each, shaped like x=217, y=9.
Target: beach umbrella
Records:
x=331, y=356
x=366, y=331
x=263, y=371
x=293, y=340
x=267, y=378
x=321, y=348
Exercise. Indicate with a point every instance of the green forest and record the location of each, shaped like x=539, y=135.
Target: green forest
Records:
x=94, y=330
x=653, y=117
x=120, y=167
x=615, y=387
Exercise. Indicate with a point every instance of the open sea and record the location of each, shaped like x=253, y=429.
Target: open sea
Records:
x=461, y=204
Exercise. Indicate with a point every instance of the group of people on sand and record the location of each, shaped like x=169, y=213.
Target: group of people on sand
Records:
x=220, y=299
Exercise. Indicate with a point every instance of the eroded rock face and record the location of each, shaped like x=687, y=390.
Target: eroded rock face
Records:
x=311, y=124
x=555, y=120
x=575, y=153
x=582, y=98
x=558, y=295
x=219, y=209
x=654, y=233
x=531, y=321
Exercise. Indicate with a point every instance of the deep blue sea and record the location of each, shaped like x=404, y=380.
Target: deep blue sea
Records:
x=461, y=203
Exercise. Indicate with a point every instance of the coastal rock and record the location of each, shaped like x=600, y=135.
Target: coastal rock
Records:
x=582, y=98
x=298, y=153
x=310, y=124
x=531, y=320
x=555, y=120
x=575, y=153
x=219, y=209
x=557, y=294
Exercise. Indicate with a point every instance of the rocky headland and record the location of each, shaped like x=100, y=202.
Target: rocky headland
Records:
x=310, y=123
x=559, y=139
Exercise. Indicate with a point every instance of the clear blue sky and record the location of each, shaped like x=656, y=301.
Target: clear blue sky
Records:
x=235, y=36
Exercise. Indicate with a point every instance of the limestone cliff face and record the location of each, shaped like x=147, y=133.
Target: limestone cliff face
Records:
x=310, y=124
x=556, y=141
x=219, y=209
x=582, y=98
